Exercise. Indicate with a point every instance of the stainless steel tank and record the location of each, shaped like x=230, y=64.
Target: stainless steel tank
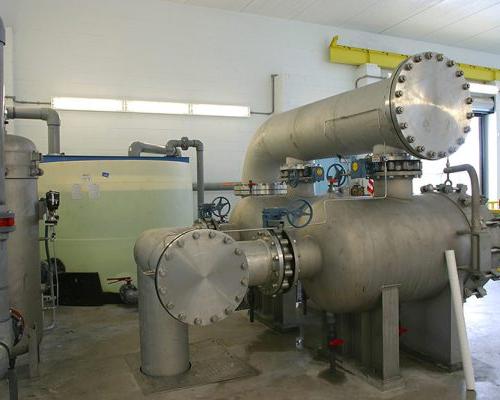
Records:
x=368, y=243
x=21, y=158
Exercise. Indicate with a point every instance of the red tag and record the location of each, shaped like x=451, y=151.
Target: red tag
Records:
x=336, y=342
x=402, y=330
x=8, y=221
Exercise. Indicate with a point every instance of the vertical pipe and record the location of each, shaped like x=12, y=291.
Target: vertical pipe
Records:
x=200, y=175
x=456, y=297
x=164, y=340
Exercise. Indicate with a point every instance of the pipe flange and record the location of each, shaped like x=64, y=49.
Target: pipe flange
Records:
x=431, y=116
x=201, y=277
x=283, y=272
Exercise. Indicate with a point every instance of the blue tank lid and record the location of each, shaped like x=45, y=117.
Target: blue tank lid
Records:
x=62, y=158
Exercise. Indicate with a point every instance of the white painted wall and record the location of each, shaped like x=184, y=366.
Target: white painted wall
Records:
x=154, y=49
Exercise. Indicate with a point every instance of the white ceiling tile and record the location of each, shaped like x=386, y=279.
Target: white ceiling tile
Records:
x=230, y=5
x=439, y=16
x=385, y=14
x=330, y=12
x=464, y=23
x=278, y=8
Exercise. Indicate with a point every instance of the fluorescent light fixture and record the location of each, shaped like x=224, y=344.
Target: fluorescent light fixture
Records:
x=84, y=104
x=483, y=89
x=156, y=107
x=148, y=107
x=220, y=110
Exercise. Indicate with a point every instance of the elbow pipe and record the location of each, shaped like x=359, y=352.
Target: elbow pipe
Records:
x=137, y=148
x=49, y=115
x=185, y=143
x=476, y=197
x=172, y=149
x=476, y=208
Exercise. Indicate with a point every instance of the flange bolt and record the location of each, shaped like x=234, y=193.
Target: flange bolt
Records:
x=440, y=57
x=211, y=235
x=402, y=78
x=442, y=154
x=420, y=149
x=227, y=240
x=466, y=86
x=198, y=321
x=196, y=235
x=417, y=58
x=243, y=266
x=459, y=73
x=409, y=66
x=180, y=243
x=238, y=252
x=403, y=125
x=452, y=150
x=410, y=139
x=399, y=109
x=469, y=100
x=467, y=129
x=460, y=140
x=214, y=318
x=398, y=93
x=470, y=115
x=450, y=63
x=428, y=55
x=181, y=317
x=431, y=154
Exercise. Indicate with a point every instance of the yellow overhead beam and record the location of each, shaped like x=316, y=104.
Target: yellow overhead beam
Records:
x=341, y=54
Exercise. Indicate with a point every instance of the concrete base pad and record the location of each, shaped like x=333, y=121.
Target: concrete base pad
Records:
x=211, y=362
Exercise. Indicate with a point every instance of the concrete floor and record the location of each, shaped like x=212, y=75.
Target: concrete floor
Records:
x=83, y=358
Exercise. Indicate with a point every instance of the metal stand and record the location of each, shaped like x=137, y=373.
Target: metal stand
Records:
x=431, y=330
x=371, y=340
x=279, y=312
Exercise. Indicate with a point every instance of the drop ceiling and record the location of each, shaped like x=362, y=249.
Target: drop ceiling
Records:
x=472, y=24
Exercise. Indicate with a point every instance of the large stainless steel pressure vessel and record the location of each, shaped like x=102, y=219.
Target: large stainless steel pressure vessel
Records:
x=424, y=109
x=23, y=246
x=368, y=243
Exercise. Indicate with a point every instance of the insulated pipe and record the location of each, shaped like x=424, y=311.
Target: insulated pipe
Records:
x=137, y=148
x=185, y=144
x=425, y=95
x=456, y=296
x=475, y=207
x=5, y=321
x=44, y=114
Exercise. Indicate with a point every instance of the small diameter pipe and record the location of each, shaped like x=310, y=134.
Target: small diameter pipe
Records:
x=44, y=114
x=137, y=148
x=456, y=296
x=185, y=143
x=476, y=206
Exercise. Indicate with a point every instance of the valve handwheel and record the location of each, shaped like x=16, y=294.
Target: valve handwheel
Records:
x=300, y=213
x=340, y=177
x=221, y=207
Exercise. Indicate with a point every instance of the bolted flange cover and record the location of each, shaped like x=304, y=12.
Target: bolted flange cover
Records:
x=201, y=277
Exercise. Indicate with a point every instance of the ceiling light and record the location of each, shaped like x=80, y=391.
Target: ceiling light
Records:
x=220, y=110
x=156, y=107
x=483, y=89
x=84, y=104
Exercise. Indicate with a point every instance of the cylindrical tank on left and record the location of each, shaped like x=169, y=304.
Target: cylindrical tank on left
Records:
x=108, y=201
x=23, y=249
